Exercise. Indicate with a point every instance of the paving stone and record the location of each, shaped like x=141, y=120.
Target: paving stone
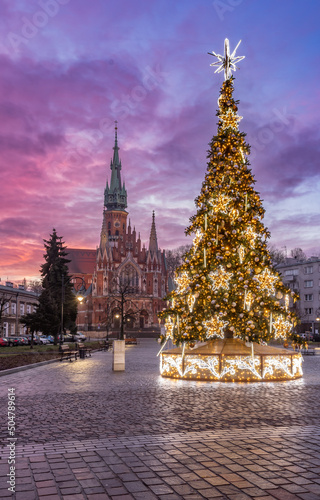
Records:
x=143, y=433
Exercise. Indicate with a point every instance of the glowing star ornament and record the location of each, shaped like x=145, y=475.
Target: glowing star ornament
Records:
x=227, y=62
x=182, y=282
x=282, y=328
x=220, y=278
x=267, y=281
x=220, y=203
x=230, y=120
x=214, y=327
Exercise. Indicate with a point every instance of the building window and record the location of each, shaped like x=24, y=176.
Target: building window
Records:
x=129, y=277
x=13, y=308
x=308, y=297
x=308, y=284
x=21, y=308
x=308, y=311
x=291, y=272
x=28, y=308
x=308, y=270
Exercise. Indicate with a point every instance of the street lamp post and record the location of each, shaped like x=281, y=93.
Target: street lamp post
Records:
x=80, y=297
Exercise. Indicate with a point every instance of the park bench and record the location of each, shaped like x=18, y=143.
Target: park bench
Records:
x=309, y=351
x=83, y=350
x=131, y=341
x=105, y=345
x=102, y=345
x=67, y=353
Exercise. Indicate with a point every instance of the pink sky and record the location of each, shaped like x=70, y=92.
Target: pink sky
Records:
x=69, y=72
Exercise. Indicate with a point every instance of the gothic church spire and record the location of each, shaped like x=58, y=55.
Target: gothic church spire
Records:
x=153, y=242
x=115, y=196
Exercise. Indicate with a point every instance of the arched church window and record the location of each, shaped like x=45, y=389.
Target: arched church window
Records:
x=130, y=277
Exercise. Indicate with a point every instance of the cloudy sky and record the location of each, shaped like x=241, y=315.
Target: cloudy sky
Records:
x=69, y=68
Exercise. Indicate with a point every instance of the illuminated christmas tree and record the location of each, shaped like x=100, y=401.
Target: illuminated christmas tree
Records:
x=227, y=286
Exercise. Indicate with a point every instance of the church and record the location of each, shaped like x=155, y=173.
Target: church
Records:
x=125, y=282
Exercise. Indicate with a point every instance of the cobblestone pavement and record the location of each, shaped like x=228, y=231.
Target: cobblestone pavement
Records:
x=86, y=432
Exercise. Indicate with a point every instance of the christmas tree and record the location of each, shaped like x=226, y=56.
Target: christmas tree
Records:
x=227, y=286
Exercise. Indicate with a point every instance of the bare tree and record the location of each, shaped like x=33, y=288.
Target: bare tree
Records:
x=35, y=286
x=298, y=254
x=174, y=258
x=121, y=297
x=277, y=255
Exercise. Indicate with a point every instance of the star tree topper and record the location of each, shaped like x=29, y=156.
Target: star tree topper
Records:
x=226, y=62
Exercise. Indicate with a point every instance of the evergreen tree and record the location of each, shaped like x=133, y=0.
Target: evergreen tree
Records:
x=227, y=285
x=57, y=308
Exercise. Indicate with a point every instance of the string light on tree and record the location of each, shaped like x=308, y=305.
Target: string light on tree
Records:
x=220, y=278
x=191, y=300
x=169, y=327
x=242, y=253
x=197, y=239
x=251, y=235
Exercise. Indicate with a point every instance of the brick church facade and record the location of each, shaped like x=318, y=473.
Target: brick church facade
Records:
x=125, y=281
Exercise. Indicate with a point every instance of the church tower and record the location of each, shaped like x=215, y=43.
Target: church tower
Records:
x=121, y=270
x=115, y=201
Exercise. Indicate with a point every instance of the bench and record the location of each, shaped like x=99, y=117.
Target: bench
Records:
x=308, y=351
x=105, y=345
x=131, y=341
x=67, y=353
x=84, y=351
x=102, y=346
x=108, y=344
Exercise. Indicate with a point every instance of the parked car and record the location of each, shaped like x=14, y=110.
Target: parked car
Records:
x=68, y=338
x=24, y=341
x=35, y=340
x=14, y=341
x=3, y=342
x=80, y=337
x=50, y=338
x=43, y=340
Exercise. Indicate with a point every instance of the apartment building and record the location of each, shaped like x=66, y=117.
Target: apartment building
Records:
x=303, y=277
x=15, y=301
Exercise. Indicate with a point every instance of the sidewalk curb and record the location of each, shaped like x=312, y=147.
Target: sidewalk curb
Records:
x=31, y=365
x=27, y=367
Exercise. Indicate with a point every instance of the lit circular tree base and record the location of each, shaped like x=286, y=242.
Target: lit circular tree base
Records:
x=231, y=360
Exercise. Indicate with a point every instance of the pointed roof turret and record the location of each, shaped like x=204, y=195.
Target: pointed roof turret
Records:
x=115, y=196
x=153, y=242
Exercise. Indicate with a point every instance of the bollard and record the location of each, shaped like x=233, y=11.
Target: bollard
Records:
x=118, y=355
